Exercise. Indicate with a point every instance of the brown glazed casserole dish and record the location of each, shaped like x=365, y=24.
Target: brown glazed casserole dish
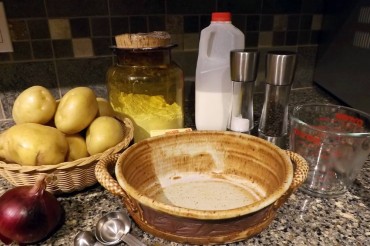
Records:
x=203, y=187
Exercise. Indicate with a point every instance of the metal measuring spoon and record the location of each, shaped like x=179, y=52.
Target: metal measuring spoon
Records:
x=113, y=228
x=86, y=238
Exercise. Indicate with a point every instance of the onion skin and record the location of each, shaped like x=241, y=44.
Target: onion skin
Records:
x=28, y=214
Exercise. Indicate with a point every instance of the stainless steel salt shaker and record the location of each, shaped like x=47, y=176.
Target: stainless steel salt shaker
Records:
x=280, y=69
x=243, y=71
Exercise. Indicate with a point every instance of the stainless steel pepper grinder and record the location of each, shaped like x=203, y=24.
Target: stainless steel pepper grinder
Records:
x=243, y=71
x=280, y=69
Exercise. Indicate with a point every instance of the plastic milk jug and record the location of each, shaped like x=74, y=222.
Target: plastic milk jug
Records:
x=213, y=87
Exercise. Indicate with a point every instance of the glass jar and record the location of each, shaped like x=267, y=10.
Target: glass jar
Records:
x=147, y=86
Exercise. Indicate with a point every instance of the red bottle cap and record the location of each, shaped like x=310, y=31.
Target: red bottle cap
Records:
x=221, y=16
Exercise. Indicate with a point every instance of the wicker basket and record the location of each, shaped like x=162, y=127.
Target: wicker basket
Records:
x=69, y=176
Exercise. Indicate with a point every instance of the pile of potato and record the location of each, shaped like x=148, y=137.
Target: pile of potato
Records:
x=48, y=131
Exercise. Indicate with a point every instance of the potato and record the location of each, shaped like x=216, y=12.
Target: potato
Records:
x=103, y=133
x=35, y=104
x=77, y=147
x=76, y=110
x=105, y=109
x=33, y=144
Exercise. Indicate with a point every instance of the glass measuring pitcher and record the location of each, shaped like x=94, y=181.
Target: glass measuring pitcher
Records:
x=335, y=141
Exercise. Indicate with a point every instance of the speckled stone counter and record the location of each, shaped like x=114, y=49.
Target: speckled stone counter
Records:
x=302, y=220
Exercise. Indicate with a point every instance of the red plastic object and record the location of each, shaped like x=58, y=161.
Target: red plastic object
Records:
x=221, y=16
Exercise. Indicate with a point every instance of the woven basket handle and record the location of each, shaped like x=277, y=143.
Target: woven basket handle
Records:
x=300, y=167
x=108, y=182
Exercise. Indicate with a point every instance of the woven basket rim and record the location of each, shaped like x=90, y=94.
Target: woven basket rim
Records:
x=129, y=129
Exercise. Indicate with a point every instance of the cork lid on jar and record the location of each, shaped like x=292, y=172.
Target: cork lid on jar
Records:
x=143, y=40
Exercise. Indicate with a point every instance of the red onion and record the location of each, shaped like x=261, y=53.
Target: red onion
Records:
x=29, y=214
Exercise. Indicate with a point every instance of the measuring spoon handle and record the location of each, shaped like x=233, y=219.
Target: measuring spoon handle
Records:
x=131, y=240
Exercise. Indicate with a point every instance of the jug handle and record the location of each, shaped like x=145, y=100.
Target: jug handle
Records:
x=108, y=182
x=207, y=37
x=300, y=172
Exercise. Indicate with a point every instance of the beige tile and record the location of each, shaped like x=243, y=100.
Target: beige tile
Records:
x=316, y=22
x=265, y=39
x=191, y=41
x=280, y=22
x=179, y=40
x=174, y=24
x=82, y=47
x=59, y=29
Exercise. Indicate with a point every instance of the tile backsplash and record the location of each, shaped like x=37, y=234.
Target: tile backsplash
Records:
x=61, y=44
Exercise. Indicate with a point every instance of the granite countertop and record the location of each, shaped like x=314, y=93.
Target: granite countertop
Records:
x=302, y=220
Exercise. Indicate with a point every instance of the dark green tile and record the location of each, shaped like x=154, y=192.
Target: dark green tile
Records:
x=22, y=51
x=268, y=6
x=39, y=29
x=281, y=6
x=239, y=22
x=138, y=24
x=313, y=7
x=18, y=30
x=251, y=39
x=73, y=8
x=315, y=37
x=306, y=22
x=288, y=6
x=205, y=20
x=191, y=7
x=304, y=37
x=291, y=38
x=100, y=26
x=63, y=48
x=253, y=23
x=157, y=23
x=267, y=23
x=191, y=24
x=119, y=25
x=278, y=38
x=239, y=6
x=80, y=27
x=42, y=49
x=101, y=46
x=136, y=7
x=293, y=22
x=24, y=8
